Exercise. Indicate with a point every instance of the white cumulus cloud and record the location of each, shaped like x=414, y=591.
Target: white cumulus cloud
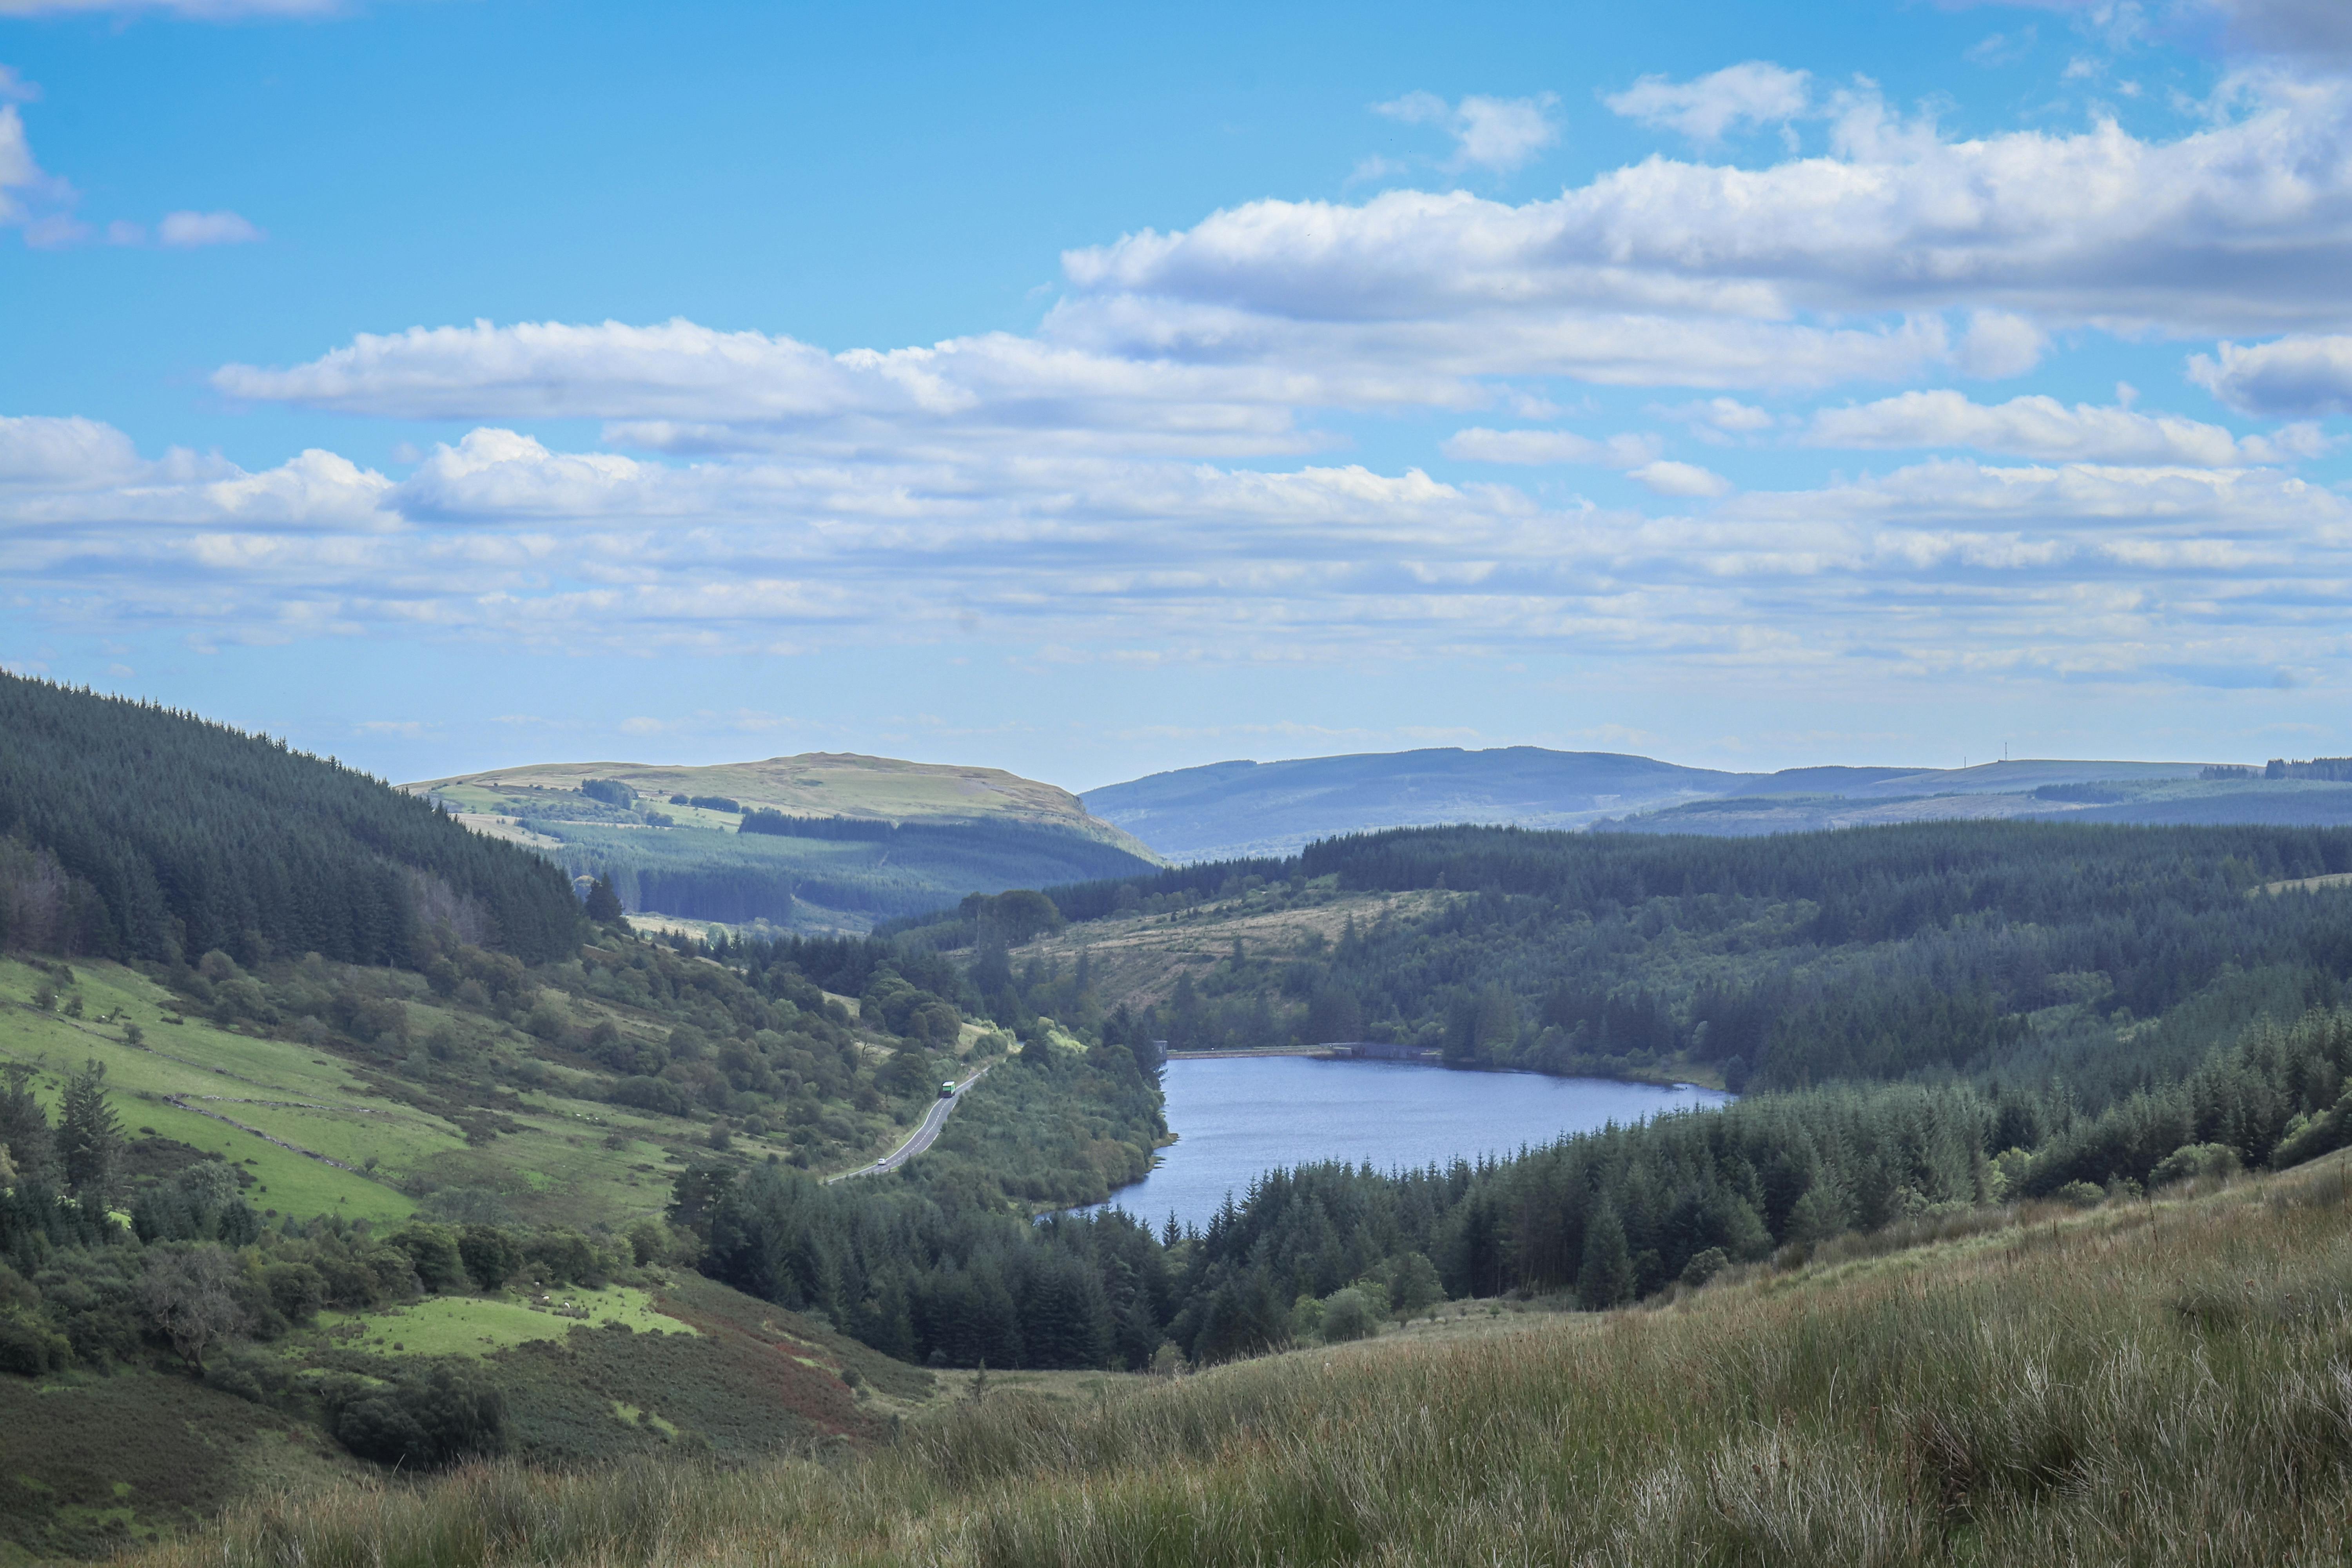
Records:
x=1755, y=92
x=63, y=452
x=680, y=386
x=2238, y=226
x=1998, y=345
x=25, y=191
x=2300, y=374
x=2061, y=569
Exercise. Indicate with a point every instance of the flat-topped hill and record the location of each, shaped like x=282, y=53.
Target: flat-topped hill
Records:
x=823, y=841
x=813, y=784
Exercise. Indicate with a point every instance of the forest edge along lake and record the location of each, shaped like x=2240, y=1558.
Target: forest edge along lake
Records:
x=1238, y=1117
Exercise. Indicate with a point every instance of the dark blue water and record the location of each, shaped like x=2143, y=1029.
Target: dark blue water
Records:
x=1236, y=1119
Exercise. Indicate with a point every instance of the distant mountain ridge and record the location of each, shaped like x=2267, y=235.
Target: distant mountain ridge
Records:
x=1237, y=809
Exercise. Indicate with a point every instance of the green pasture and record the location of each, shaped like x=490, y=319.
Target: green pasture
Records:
x=559, y=1168
x=477, y=1326
x=285, y=1182
x=188, y=1058
x=551, y=1175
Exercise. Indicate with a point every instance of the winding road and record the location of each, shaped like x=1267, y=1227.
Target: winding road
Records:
x=924, y=1135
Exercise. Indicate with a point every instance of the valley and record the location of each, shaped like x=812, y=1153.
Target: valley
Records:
x=371, y=1145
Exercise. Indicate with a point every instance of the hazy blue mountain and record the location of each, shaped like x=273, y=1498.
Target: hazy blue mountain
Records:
x=1229, y=809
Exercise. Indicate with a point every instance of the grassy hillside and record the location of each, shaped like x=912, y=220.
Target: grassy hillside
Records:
x=528, y=1102
x=813, y=843
x=328, y=1133
x=671, y=1364
x=2151, y=1381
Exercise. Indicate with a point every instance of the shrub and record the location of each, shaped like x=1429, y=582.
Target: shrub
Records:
x=490, y=1255
x=1413, y=1284
x=657, y=1094
x=568, y=1258
x=254, y=1378
x=1704, y=1266
x=650, y=1242
x=1347, y=1315
x=2322, y=1134
x=295, y=1290
x=2082, y=1195
x=426, y=1423
x=433, y=1253
x=30, y=1348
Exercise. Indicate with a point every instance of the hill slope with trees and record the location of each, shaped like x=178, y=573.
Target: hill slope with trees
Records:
x=131, y=831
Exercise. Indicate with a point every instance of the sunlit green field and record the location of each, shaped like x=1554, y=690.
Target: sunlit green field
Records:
x=473, y=1326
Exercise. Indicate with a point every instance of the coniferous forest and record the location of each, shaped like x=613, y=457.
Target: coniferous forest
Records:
x=130, y=831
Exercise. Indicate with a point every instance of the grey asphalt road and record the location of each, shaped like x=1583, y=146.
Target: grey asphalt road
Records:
x=924, y=1135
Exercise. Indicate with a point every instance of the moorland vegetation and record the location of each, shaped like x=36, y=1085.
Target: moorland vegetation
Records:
x=2156, y=1379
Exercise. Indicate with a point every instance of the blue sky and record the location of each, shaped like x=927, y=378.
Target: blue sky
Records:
x=456, y=383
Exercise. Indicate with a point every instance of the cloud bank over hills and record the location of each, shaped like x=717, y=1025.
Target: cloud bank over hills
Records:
x=1167, y=470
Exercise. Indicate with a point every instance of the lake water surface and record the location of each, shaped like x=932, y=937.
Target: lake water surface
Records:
x=1238, y=1117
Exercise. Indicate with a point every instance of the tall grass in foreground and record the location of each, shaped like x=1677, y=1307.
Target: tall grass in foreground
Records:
x=2144, y=1384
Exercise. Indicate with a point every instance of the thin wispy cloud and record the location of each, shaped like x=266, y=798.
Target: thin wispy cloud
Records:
x=190, y=230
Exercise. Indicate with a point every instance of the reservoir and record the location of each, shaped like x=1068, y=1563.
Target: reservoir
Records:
x=1238, y=1117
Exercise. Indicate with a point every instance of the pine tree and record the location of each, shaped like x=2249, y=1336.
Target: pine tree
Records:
x=89, y=1136
x=603, y=904
x=24, y=1128
x=1607, y=1277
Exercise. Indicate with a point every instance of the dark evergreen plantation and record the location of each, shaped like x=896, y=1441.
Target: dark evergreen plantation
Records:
x=128, y=830
x=2009, y=950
